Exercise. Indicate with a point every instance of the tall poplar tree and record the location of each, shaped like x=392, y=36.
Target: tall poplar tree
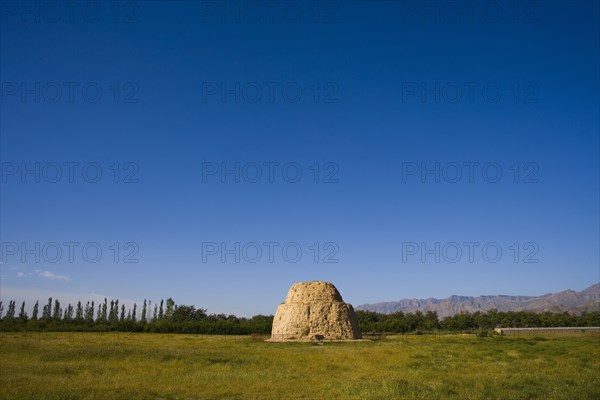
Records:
x=57, y=314
x=161, y=313
x=36, y=309
x=22, y=313
x=79, y=312
x=10, y=313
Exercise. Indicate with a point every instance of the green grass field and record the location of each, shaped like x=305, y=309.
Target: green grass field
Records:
x=155, y=366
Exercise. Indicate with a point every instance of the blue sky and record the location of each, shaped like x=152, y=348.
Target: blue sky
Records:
x=359, y=98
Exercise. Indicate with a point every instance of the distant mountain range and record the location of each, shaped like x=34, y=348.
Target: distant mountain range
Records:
x=567, y=300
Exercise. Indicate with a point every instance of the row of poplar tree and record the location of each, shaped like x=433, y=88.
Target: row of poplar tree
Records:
x=106, y=312
x=165, y=317
x=168, y=317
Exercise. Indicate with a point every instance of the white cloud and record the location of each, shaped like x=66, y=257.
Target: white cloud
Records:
x=42, y=273
x=52, y=275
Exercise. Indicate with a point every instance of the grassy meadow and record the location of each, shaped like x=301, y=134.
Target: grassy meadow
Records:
x=170, y=366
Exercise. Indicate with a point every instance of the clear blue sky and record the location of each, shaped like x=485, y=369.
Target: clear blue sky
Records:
x=369, y=91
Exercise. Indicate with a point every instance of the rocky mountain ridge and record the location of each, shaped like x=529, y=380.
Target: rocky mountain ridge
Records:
x=567, y=300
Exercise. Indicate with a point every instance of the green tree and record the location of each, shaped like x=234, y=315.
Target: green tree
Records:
x=431, y=320
x=185, y=313
x=69, y=313
x=114, y=311
x=79, y=312
x=47, y=310
x=415, y=320
x=22, y=314
x=111, y=310
x=36, y=308
x=104, y=315
x=144, y=311
x=261, y=323
x=590, y=318
x=10, y=313
x=170, y=308
x=57, y=314
x=89, y=312
x=492, y=318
